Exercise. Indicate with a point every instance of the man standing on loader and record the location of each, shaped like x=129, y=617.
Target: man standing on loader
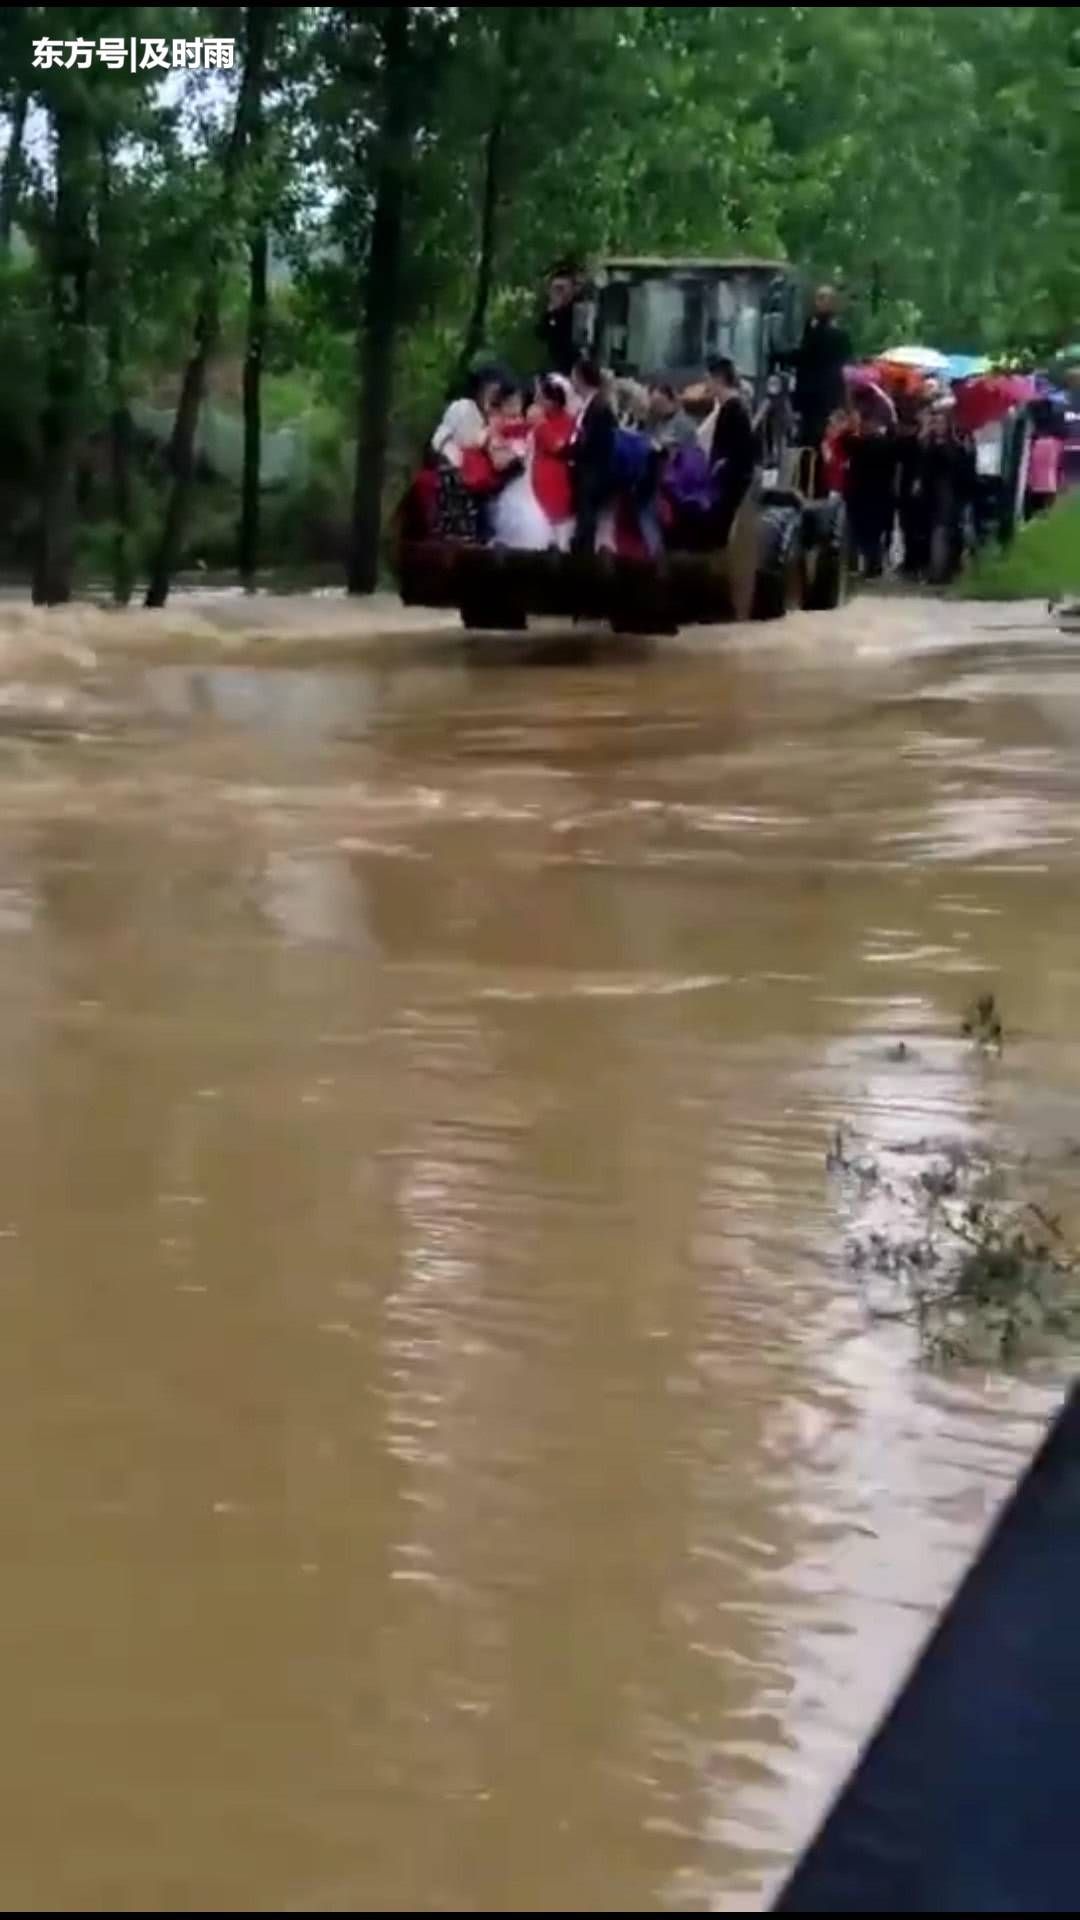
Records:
x=556, y=323
x=819, y=362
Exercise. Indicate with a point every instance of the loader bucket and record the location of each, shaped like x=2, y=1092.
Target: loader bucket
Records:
x=500, y=588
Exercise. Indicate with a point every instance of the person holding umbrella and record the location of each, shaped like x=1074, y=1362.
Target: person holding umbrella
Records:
x=991, y=408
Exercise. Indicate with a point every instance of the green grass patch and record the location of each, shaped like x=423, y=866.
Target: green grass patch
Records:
x=1042, y=562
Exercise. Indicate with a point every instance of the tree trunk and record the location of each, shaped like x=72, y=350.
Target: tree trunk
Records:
x=485, y=267
x=121, y=430
x=121, y=436
x=65, y=379
x=378, y=326
x=182, y=447
x=207, y=319
x=258, y=265
x=253, y=362
x=510, y=29
x=11, y=177
x=877, y=288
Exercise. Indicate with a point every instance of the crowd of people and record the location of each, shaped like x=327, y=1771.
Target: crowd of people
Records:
x=926, y=490
x=579, y=461
x=920, y=487
x=585, y=463
x=916, y=479
x=921, y=490
x=921, y=483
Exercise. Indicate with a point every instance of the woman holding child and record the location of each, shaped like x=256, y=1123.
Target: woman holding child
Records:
x=504, y=473
x=465, y=471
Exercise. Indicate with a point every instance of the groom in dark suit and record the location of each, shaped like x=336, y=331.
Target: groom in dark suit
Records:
x=592, y=454
x=731, y=449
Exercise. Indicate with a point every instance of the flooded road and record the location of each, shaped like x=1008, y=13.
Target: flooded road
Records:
x=446, y=1464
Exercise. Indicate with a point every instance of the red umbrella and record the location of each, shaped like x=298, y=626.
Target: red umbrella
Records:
x=902, y=383
x=989, y=397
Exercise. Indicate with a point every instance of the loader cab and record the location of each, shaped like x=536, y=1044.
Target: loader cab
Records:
x=653, y=317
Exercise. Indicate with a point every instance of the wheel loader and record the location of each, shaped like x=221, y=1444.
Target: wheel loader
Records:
x=663, y=319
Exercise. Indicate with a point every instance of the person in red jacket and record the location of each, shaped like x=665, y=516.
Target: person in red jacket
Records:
x=553, y=431
x=833, y=455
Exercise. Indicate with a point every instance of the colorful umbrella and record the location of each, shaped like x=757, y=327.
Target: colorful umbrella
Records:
x=964, y=366
x=989, y=397
x=926, y=359
x=900, y=381
x=865, y=382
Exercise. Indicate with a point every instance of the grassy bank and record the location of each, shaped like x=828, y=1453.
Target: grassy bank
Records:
x=1042, y=562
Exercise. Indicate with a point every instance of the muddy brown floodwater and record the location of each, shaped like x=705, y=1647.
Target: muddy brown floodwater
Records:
x=446, y=1464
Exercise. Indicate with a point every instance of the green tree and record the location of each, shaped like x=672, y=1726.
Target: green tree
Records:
x=16, y=27
x=208, y=313
x=385, y=66
x=73, y=109
x=11, y=174
x=111, y=274
x=265, y=23
x=529, y=88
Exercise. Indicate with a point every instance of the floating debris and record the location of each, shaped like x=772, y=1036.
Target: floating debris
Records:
x=979, y=1272
x=982, y=1024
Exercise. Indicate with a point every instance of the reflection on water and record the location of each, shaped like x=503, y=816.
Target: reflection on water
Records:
x=445, y=1463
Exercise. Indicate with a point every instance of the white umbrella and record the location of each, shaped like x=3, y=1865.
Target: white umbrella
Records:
x=926, y=359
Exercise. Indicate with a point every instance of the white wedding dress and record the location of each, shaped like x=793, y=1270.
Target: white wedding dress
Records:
x=517, y=518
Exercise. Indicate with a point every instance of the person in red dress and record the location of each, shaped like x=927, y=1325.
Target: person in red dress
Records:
x=553, y=431
x=834, y=459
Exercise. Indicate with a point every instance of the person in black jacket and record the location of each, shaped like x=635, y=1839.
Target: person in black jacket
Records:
x=592, y=454
x=819, y=368
x=556, y=327
x=948, y=481
x=870, y=491
x=731, y=448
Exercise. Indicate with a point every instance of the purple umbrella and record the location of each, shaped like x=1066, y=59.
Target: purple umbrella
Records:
x=863, y=381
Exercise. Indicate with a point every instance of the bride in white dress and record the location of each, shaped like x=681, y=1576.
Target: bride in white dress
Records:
x=516, y=517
